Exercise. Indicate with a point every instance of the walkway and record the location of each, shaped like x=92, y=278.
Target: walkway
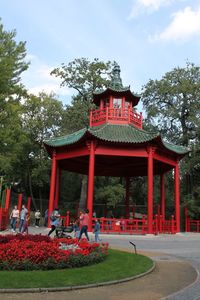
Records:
x=173, y=254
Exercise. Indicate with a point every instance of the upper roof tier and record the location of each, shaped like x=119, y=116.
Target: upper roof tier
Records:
x=116, y=89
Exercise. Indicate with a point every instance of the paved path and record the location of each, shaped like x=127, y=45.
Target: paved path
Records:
x=174, y=255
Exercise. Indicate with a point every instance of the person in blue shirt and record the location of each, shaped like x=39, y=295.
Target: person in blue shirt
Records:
x=97, y=230
x=55, y=221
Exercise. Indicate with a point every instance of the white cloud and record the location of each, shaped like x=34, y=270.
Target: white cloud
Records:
x=38, y=79
x=147, y=6
x=185, y=24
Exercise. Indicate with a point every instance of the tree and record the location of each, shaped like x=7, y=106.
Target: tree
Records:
x=172, y=104
x=12, y=64
x=42, y=119
x=84, y=76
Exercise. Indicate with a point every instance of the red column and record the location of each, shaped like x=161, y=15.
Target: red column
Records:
x=150, y=190
x=29, y=204
x=19, y=206
x=52, y=186
x=7, y=199
x=162, y=195
x=177, y=196
x=91, y=183
x=57, y=193
x=127, y=209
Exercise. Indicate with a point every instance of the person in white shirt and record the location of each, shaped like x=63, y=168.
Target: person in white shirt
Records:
x=37, y=218
x=14, y=216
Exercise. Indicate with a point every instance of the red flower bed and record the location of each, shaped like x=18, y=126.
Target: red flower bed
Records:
x=32, y=252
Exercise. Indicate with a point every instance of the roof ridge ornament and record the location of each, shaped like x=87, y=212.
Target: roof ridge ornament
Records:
x=116, y=81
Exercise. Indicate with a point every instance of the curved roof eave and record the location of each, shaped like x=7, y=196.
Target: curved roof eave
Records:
x=98, y=94
x=175, y=148
x=68, y=139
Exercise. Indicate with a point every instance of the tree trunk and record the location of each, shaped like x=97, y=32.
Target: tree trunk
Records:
x=31, y=191
x=82, y=202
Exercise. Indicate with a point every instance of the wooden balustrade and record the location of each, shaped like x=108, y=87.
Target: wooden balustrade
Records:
x=115, y=116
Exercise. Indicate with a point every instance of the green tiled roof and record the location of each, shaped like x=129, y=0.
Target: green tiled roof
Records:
x=116, y=89
x=66, y=139
x=115, y=134
x=121, y=134
x=175, y=148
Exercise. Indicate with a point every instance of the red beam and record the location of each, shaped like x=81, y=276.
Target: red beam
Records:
x=165, y=159
x=72, y=153
x=120, y=151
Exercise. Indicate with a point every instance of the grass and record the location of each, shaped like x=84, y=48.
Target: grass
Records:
x=117, y=265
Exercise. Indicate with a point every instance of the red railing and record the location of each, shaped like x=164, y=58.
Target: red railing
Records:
x=193, y=226
x=115, y=116
x=120, y=226
x=131, y=226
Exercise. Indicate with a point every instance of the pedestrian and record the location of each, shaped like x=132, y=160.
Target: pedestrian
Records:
x=55, y=221
x=84, y=220
x=37, y=218
x=46, y=217
x=23, y=213
x=14, y=216
x=76, y=229
x=25, y=227
x=97, y=230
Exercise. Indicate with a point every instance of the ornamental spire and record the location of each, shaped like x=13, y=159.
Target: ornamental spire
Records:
x=116, y=81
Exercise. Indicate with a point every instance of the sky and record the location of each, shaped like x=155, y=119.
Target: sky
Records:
x=147, y=38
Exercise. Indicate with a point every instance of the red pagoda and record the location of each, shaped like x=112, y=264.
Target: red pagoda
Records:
x=115, y=144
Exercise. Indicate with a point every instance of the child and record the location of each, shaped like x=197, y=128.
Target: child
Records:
x=76, y=229
x=97, y=231
x=25, y=227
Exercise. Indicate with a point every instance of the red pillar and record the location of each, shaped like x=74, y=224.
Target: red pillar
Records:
x=57, y=193
x=19, y=206
x=91, y=183
x=7, y=199
x=177, y=196
x=127, y=209
x=29, y=204
x=150, y=190
x=52, y=186
x=162, y=195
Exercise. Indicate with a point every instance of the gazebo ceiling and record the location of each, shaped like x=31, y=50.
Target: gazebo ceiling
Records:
x=116, y=166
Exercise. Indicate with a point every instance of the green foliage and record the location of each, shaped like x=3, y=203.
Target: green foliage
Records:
x=12, y=64
x=112, y=194
x=84, y=76
x=172, y=103
x=173, y=107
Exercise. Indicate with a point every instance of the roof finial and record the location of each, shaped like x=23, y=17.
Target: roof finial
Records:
x=116, y=81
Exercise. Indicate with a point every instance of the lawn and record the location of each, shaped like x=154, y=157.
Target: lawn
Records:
x=117, y=265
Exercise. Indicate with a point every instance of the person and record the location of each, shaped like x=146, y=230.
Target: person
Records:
x=37, y=218
x=23, y=213
x=55, y=220
x=97, y=230
x=84, y=221
x=76, y=229
x=110, y=216
x=14, y=216
x=25, y=227
x=46, y=217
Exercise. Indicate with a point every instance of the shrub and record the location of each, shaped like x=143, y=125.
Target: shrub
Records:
x=33, y=252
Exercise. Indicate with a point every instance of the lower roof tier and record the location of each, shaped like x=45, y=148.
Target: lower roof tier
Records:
x=114, y=134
